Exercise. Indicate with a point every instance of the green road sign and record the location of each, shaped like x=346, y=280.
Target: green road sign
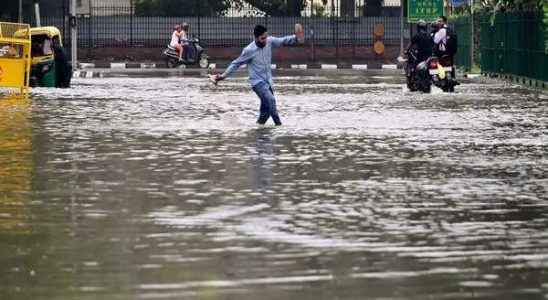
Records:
x=427, y=10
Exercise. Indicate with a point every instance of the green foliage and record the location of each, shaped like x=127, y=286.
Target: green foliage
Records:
x=319, y=10
x=500, y=6
x=181, y=8
x=278, y=8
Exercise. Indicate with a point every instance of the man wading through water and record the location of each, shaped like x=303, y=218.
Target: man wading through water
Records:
x=258, y=56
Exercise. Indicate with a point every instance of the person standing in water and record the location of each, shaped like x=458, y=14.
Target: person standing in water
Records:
x=258, y=57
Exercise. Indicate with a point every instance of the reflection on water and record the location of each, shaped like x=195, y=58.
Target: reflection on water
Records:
x=15, y=190
x=15, y=166
x=367, y=192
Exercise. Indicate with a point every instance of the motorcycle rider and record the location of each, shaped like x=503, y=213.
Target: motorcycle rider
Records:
x=451, y=39
x=440, y=37
x=422, y=42
x=175, y=41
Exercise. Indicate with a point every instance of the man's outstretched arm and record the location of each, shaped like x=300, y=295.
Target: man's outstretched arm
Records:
x=244, y=58
x=291, y=40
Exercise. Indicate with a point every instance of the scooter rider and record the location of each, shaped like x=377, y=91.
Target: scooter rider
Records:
x=175, y=41
x=185, y=42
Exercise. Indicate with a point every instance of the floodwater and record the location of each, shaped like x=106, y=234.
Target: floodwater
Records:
x=161, y=187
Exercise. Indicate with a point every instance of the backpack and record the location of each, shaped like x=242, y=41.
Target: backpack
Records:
x=452, y=44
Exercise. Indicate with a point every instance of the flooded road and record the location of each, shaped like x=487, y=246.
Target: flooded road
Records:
x=161, y=187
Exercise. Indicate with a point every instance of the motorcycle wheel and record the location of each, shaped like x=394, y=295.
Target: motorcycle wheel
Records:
x=427, y=89
x=172, y=62
x=448, y=88
x=411, y=87
x=204, y=62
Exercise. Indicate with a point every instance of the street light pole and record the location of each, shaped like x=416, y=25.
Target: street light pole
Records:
x=20, y=11
x=472, y=43
x=37, y=15
x=73, y=36
x=401, y=26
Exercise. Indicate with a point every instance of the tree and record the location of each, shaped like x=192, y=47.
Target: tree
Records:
x=500, y=6
x=372, y=8
x=348, y=8
x=180, y=8
x=279, y=8
x=318, y=10
x=8, y=10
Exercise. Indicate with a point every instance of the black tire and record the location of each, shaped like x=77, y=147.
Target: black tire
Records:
x=451, y=87
x=412, y=87
x=203, y=62
x=172, y=63
x=448, y=88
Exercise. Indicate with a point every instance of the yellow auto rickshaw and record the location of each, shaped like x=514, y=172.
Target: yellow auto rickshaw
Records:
x=49, y=66
x=14, y=60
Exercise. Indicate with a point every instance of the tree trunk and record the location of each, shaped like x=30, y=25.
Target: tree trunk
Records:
x=372, y=8
x=348, y=8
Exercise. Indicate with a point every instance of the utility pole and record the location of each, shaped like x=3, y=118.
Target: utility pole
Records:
x=20, y=11
x=37, y=15
x=472, y=43
x=73, y=36
x=402, y=21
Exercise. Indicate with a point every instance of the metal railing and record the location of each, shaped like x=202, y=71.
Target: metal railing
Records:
x=514, y=45
x=462, y=26
x=125, y=25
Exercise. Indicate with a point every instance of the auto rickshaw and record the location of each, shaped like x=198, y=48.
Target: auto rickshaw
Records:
x=46, y=69
x=15, y=60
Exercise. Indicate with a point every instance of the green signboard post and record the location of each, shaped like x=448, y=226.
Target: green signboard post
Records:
x=427, y=10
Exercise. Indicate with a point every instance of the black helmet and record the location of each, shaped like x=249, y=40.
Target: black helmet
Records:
x=421, y=24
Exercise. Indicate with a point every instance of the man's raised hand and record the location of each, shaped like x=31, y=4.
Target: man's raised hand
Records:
x=299, y=33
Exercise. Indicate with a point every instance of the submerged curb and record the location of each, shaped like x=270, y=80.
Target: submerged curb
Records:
x=88, y=74
x=88, y=70
x=309, y=66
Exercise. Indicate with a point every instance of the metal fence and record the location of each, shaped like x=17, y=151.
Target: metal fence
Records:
x=120, y=25
x=463, y=27
x=514, y=44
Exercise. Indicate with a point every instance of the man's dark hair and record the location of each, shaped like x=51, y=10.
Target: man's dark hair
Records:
x=259, y=30
x=444, y=18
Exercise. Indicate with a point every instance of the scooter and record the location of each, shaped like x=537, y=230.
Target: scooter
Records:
x=193, y=54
